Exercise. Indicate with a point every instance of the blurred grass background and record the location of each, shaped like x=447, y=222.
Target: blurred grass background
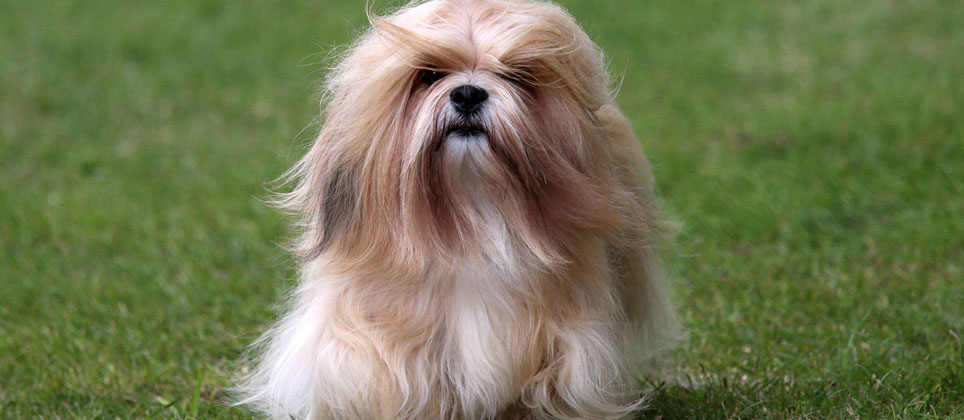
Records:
x=811, y=151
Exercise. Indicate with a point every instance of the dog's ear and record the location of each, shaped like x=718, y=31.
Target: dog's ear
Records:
x=324, y=198
x=637, y=266
x=337, y=210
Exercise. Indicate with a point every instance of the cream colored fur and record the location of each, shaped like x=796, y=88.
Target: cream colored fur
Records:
x=507, y=275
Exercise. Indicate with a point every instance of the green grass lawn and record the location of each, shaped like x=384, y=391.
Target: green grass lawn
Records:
x=811, y=154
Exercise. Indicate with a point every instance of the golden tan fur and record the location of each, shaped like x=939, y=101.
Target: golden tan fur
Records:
x=502, y=277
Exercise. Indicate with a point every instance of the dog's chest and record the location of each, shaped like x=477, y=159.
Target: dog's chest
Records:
x=489, y=345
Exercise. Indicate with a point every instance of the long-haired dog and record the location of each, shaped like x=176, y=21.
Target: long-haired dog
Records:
x=477, y=222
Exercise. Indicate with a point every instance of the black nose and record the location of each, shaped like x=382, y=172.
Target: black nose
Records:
x=468, y=98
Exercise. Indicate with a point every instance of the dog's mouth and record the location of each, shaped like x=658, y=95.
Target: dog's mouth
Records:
x=466, y=130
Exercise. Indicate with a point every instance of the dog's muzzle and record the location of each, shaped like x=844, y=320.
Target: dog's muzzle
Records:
x=466, y=130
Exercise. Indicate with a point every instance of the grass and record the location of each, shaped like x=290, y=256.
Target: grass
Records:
x=812, y=153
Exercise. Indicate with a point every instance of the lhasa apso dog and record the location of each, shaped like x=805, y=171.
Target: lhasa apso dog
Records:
x=477, y=229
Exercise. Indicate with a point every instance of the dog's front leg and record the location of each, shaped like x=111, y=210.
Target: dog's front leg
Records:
x=584, y=379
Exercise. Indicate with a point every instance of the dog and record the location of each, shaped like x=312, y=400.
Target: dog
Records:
x=477, y=230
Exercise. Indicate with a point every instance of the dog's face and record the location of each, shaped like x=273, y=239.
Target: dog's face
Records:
x=456, y=126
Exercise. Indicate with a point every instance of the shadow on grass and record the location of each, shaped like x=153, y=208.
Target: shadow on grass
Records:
x=743, y=396
x=720, y=397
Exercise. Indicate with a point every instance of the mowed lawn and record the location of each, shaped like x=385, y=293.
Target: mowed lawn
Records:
x=810, y=155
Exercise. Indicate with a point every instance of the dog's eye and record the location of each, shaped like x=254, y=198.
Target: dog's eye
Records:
x=509, y=77
x=429, y=77
x=518, y=79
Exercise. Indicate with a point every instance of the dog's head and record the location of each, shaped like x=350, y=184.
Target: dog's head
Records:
x=458, y=126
